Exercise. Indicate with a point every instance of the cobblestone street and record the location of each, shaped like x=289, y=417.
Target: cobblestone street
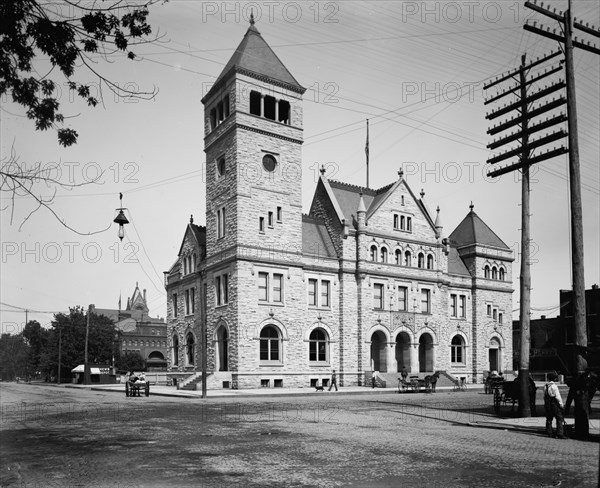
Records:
x=65, y=437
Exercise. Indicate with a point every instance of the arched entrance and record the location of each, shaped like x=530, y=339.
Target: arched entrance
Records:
x=378, y=352
x=403, y=351
x=494, y=355
x=425, y=353
x=222, y=349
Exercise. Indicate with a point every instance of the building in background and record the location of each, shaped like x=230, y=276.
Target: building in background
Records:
x=552, y=339
x=366, y=281
x=139, y=332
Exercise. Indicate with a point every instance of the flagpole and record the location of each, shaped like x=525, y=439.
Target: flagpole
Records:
x=367, y=153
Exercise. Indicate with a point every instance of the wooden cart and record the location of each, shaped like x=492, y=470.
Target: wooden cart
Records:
x=136, y=389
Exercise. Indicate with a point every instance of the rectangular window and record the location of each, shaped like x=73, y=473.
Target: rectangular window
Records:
x=453, y=305
x=187, y=302
x=312, y=292
x=500, y=318
x=409, y=224
x=325, y=293
x=278, y=288
x=495, y=314
x=489, y=310
x=261, y=224
x=174, y=304
x=263, y=287
x=279, y=214
x=462, y=307
x=395, y=221
x=270, y=219
x=378, y=299
x=425, y=301
x=402, y=298
x=222, y=289
x=221, y=222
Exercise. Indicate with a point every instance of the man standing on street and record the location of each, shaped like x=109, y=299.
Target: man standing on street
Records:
x=333, y=381
x=553, y=405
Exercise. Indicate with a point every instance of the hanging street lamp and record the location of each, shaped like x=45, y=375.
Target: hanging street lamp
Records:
x=121, y=219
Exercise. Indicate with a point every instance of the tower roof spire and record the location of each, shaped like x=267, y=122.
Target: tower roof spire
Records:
x=255, y=58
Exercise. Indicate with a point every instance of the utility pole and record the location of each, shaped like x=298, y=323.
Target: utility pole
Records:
x=523, y=150
x=367, y=152
x=204, y=333
x=59, y=351
x=86, y=366
x=568, y=24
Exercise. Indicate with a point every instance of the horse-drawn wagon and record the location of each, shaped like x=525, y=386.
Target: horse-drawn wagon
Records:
x=509, y=392
x=416, y=384
x=135, y=387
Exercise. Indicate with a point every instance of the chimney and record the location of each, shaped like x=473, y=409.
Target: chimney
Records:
x=144, y=294
x=543, y=317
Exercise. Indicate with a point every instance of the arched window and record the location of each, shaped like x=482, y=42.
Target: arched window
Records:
x=407, y=259
x=190, y=348
x=373, y=252
x=457, y=349
x=398, y=256
x=384, y=255
x=494, y=273
x=501, y=274
x=270, y=344
x=486, y=271
x=429, y=261
x=318, y=347
x=421, y=260
x=175, y=351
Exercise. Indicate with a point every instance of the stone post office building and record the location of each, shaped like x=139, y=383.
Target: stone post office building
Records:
x=367, y=281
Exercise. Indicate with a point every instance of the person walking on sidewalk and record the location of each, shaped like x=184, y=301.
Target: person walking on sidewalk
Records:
x=333, y=381
x=553, y=405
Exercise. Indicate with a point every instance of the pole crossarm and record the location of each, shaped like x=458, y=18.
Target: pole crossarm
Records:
x=531, y=98
x=529, y=82
x=555, y=136
x=533, y=113
x=536, y=159
x=510, y=74
x=531, y=129
x=560, y=38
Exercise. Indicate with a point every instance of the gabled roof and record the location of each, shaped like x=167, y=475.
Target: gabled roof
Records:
x=315, y=238
x=473, y=230
x=348, y=198
x=198, y=233
x=255, y=58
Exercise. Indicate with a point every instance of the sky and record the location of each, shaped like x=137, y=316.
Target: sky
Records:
x=416, y=70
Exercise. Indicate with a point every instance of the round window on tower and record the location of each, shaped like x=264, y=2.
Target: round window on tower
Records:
x=221, y=167
x=269, y=163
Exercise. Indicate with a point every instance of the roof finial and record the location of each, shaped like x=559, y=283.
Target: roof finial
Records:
x=422, y=193
x=252, y=16
x=400, y=172
x=191, y=219
x=471, y=206
x=322, y=170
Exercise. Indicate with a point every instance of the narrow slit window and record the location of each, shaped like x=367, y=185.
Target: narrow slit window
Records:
x=255, y=101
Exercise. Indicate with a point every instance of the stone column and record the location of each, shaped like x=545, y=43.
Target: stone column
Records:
x=414, y=358
x=391, y=358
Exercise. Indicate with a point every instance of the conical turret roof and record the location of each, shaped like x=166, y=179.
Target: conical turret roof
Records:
x=254, y=57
